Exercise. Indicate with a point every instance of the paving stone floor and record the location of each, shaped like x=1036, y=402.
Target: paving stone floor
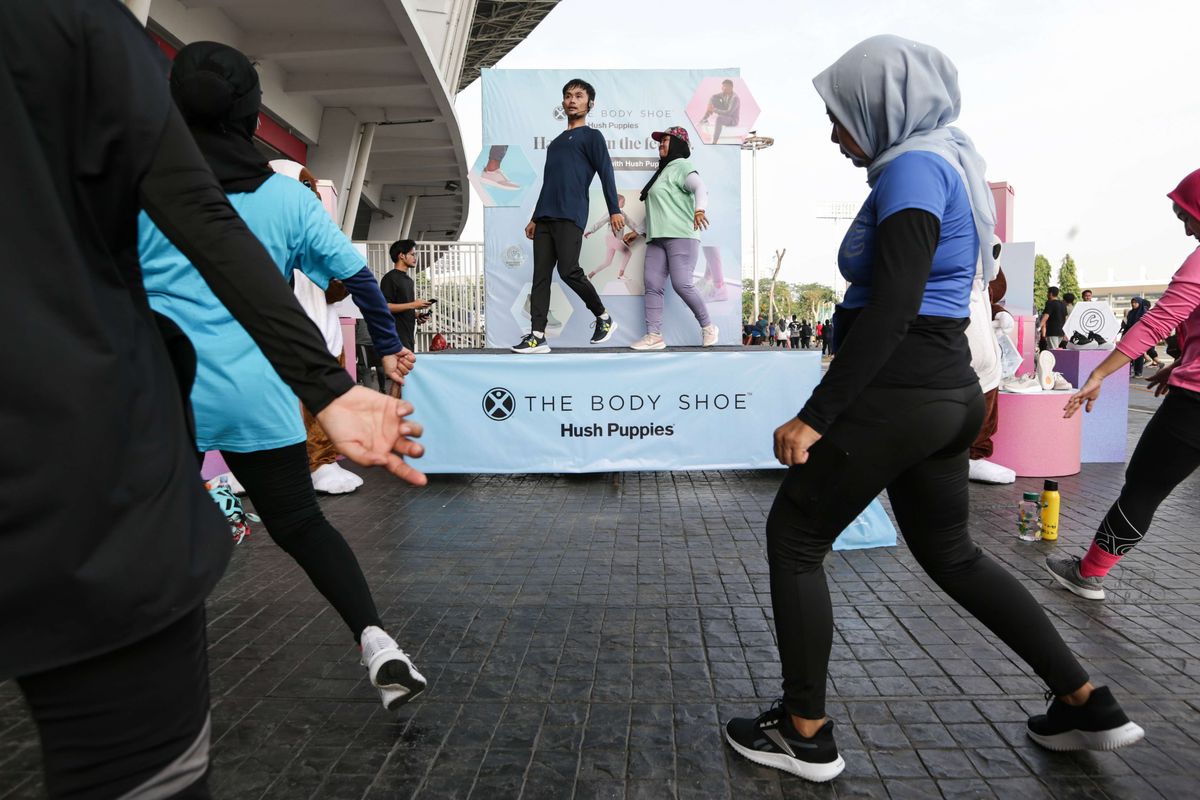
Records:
x=585, y=636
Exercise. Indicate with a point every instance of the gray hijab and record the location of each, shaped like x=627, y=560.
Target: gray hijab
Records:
x=895, y=95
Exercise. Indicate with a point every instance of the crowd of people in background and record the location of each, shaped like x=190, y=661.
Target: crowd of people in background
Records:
x=789, y=334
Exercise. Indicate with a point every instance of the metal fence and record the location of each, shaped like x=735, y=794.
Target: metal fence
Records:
x=451, y=272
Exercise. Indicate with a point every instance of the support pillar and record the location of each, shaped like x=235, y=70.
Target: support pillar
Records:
x=332, y=157
x=360, y=175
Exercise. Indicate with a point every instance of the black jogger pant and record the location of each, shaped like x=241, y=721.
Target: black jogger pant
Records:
x=1167, y=453
x=558, y=241
x=913, y=442
x=135, y=718
x=280, y=486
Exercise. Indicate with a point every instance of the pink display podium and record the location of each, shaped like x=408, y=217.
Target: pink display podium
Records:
x=1033, y=439
x=1106, y=427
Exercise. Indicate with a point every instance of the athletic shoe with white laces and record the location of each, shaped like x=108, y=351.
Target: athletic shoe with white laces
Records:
x=604, y=329
x=772, y=741
x=1026, y=384
x=651, y=341
x=531, y=344
x=708, y=335
x=1098, y=724
x=391, y=670
x=1061, y=384
x=1065, y=570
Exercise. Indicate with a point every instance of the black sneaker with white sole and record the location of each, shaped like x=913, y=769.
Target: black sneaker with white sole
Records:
x=531, y=343
x=1098, y=724
x=604, y=329
x=772, y=741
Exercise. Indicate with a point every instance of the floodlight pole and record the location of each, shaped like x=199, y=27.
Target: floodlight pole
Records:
x=753, y=142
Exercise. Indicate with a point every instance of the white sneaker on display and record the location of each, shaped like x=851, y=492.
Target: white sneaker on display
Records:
x=1026, y=384
x=1061, y=384
x=651, y=341
x=984, y=471
x=332, y=479
x=391, y=670
x=1045, y=370
x=708, y=335
x=718, y=294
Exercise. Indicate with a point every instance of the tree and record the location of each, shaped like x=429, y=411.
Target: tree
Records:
x=1041, y=282
x=1068, y=281
x=771, y=305
x=811, y=298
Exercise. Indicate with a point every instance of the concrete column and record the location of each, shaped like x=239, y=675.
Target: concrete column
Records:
x=1005, y=197
x=410, y=210
x=360, y=174
x=332, y=157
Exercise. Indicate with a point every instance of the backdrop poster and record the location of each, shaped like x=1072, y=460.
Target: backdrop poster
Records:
x=1016, y=259
x=522, y=113
x=599, y=412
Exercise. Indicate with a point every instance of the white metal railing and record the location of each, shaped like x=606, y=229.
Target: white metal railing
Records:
x=451, y=272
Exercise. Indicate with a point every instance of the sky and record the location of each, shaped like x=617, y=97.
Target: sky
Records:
x=1090, y=110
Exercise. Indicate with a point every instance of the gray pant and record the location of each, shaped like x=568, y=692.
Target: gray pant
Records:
x=676, y=257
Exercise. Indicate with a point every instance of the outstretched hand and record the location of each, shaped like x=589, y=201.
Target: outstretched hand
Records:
x=1089, y=393
x=793, y=440
x=617, y=223
x=370, y=429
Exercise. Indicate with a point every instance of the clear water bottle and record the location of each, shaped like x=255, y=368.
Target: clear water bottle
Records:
x=1029, y=517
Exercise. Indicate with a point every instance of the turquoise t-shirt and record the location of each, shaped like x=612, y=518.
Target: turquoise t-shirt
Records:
x=239, y=401
x=924, y=181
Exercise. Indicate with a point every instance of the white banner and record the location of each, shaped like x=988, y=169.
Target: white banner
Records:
x=596, y=412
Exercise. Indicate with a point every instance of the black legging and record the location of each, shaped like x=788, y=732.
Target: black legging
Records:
x=1167, y=453
x=280, y=486
x=134, y=718
x=913, y=442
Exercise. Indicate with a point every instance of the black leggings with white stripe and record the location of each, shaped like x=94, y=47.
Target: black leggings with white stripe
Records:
x=1167, y=453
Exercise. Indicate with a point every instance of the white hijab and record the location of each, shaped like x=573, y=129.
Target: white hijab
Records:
x=895, y=95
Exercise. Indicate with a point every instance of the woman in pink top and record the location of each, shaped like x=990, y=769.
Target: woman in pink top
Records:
x=1169, y=450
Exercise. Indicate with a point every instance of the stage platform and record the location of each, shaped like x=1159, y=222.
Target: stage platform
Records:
x=606, y=409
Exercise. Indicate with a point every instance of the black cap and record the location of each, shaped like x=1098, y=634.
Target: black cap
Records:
x=1050, y=486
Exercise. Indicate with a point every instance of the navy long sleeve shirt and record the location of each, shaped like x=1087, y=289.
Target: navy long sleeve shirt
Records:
x=572, y=160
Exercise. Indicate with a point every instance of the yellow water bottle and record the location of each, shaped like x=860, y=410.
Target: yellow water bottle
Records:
x=1049, y=502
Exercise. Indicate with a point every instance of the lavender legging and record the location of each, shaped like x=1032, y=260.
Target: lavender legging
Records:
x=678, y=257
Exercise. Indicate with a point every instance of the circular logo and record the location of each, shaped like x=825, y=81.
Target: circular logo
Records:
x=513, y=257
x=499, y=404
x=1092, y=320
x=560, y=113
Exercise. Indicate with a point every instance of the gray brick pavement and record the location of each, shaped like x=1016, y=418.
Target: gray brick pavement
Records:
x=585, y=636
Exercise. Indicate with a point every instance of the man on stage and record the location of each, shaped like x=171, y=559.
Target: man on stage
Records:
x=559, y=218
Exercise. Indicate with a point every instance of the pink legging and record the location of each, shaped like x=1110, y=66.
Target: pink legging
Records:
x=614, y=244
x=676, y=257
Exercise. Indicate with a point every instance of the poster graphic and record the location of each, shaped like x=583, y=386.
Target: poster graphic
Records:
x=523, y=110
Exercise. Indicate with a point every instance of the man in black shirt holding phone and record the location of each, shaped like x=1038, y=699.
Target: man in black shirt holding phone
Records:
x=400, y=293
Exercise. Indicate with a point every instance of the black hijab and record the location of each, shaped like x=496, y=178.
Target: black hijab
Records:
x=676, y=148
x=216, y=89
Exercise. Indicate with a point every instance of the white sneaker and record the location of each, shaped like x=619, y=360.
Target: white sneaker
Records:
x=332, y=479
x=983, y=471
x=1045, y=370
x=498, y=179
x=1026, y=384
x=651, y=341
x=391, y=671
x=708, y=335
x=1061, y=384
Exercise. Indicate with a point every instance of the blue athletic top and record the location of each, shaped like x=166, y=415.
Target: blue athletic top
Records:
x=575, y=157
x=923, y=181
x=239, y=402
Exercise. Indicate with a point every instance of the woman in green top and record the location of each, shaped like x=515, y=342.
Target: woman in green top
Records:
x=675, y=199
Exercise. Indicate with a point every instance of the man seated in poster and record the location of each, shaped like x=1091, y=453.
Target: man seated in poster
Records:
x=560, y=216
